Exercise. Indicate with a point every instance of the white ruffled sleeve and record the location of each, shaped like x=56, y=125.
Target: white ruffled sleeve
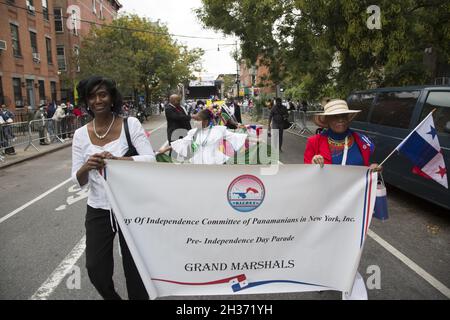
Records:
x=78, y=149
x=237, y=140
x=181, y=146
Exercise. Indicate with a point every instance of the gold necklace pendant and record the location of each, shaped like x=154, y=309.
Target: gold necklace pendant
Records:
x=107, y=131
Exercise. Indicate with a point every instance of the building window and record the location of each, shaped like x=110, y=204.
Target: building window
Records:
x=48, y=44
x=57, y=12
x=394, y=109
x=361, y=102
x=61, y=57
x=41, y=92
x=2, y=96
x=33, y=41
x=30, y=7
x=15, y=40
x=53, y=90
x=45, y=9
x=76, y=52
x=17, y=88
x=440, y=102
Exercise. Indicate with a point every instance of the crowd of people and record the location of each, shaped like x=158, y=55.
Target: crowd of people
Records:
x=52, y=121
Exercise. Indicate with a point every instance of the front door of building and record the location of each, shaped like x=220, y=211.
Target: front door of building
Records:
x=30, y=94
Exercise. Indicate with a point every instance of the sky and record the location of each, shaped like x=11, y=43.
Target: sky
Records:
x=180, y=19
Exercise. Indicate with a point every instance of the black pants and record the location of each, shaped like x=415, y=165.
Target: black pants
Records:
x=41, y=136
x=99, y=257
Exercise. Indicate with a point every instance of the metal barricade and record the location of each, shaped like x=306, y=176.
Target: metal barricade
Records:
x=45, y=131
x=13, y=134
x=303, y=124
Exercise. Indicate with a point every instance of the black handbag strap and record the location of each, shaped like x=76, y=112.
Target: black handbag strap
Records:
x=131, y=149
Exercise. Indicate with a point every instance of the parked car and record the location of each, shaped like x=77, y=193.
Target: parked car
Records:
x=388, y=116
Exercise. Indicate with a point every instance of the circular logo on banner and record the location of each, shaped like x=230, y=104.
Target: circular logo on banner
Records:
x=246, y=193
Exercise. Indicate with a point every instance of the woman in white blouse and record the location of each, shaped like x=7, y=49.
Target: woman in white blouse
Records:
x=205, y=143
x=104, y=138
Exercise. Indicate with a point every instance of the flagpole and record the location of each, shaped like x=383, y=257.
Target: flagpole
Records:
x=393, y=151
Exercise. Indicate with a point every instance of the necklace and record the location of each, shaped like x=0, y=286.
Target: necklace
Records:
x=107, y=131
x=194, y=144
x=340, y=143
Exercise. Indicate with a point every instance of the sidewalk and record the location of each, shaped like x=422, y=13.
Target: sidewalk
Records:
x=32, y=153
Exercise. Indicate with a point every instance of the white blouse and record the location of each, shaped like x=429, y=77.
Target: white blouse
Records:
x=82, y=149
x=208, y=141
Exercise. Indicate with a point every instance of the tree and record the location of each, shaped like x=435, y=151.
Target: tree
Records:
x=323, y=46
x=139, y=54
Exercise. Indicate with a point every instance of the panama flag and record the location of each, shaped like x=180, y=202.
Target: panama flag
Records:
x=422, y=147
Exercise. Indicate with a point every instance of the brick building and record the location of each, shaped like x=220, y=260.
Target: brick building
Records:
x=69, y=36
x=253, y=80
x=28, y=64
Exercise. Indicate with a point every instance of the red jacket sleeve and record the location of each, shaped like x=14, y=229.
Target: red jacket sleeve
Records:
x=311, y=149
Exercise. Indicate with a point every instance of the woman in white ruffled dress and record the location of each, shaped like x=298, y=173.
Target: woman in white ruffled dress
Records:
x=204, y=144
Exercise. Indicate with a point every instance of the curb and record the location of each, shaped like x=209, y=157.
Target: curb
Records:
x=37, y=155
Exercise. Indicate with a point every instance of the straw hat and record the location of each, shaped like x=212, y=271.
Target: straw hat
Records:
x=332, y=108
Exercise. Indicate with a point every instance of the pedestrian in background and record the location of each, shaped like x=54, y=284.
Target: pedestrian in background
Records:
x=177, y=119
x=58, y=117
x=51, y=108
x=277, y=119
x=8, y=135
x=39, y=118
x=237, y=111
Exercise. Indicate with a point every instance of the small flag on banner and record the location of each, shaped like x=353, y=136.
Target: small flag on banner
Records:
x=422, y=147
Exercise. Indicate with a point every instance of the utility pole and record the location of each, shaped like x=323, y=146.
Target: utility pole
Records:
x=238, y=78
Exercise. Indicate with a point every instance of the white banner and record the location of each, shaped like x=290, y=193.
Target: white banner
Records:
x=217, y=230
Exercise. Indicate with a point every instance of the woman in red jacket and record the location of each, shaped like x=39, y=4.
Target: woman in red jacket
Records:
x=337, y=144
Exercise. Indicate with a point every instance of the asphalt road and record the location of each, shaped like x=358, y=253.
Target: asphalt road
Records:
x=42, y=242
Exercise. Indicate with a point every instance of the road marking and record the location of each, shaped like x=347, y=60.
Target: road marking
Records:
x=53, y=281
x=11, y=214
x=411, y=264
x=162, y=125
x=82, y=193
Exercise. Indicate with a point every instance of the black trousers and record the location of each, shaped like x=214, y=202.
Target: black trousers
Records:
x=280, y=129
x=99, y=257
